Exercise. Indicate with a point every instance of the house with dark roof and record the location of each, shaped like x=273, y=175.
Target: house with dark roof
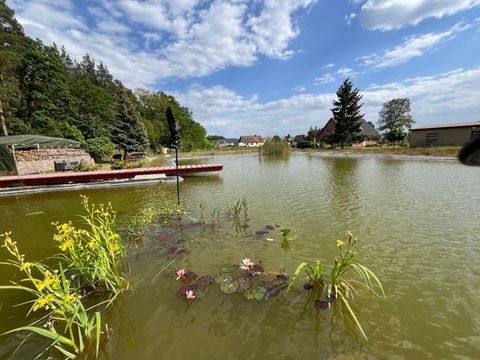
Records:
x=250, y=140
x=444, y=134
x=367, y=131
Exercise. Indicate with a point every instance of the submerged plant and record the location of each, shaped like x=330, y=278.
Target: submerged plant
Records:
x=138, y=226
x=238, y=213
x=338, y=287
x=168, y=211
x=65, y=320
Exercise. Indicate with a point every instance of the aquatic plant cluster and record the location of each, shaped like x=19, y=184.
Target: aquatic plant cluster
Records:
x=325, y=291
x=92, y=268
x=246, y=278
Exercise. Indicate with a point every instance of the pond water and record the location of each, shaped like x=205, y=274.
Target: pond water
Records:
x=418, y=226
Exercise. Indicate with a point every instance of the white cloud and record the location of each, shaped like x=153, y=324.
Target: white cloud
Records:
x=394, y=14
x=412, y=47
x=299, y=89
x=144, y=42
x=442, y=98
x=324, y=79
x=349, y=18
x=346, y=72
x=273, y=28
x=340, y=74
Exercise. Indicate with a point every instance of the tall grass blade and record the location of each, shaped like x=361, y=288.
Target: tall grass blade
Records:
x=45, y=333
x=352, y=314
x=296, y=273
x=98, y=325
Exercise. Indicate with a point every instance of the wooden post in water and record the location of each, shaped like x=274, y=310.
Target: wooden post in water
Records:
x=175, y=143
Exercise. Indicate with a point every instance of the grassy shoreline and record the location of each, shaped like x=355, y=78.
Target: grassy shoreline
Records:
x=450, y=151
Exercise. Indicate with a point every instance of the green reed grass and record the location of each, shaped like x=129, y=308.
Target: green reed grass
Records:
x=65, y=321
x=275, y=147
x=95, y=253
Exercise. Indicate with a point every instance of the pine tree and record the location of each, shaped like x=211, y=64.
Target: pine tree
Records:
x=47, y=101
x=128, y=132
x=346, y=113
x=12, y=44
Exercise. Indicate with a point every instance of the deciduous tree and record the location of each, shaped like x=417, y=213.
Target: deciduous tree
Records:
x=394, y=119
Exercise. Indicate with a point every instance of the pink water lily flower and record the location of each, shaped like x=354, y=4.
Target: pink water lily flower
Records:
x=189, y=295
x=180, y=274
x=246, y=264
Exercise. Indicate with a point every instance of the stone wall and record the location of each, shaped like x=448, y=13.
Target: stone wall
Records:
x=42, y=160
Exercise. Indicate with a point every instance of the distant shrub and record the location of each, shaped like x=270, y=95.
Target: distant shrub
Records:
x=275, y=147
x=120, y=165
x=99, y=147
x=83, y=167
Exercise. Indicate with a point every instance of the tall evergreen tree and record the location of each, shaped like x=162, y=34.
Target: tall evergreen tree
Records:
x=13, y=43
x=346, y=113
x=128, y=132
x=47, y=102
x=394, y=119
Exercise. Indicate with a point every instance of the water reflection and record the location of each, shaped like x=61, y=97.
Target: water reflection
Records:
x=418, y=229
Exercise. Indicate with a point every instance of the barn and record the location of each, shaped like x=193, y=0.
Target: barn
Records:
x=444, y=134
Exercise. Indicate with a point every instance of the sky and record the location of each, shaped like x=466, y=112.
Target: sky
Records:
x=272, y=67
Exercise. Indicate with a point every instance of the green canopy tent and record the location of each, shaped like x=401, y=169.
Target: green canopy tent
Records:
x=23, y=142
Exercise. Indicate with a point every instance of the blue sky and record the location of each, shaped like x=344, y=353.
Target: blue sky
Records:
x=273, y=66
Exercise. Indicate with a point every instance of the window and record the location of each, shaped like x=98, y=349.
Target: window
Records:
x=475, y=134
x=431, y=138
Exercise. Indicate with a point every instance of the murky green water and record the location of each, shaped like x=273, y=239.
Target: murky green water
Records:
x=419, y=228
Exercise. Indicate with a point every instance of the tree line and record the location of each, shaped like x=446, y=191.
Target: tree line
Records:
x=43, y=91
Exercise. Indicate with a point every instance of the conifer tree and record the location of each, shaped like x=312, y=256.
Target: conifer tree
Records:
x=347, y=115
x=128, y=132
x=12, y=44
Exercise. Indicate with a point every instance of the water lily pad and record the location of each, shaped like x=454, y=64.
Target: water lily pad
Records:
x=189, y=276
x=229, y=286
x=259, y=293
x=249, y=294
x=275, y=290
x=200, y=292
x=221, y=277
x=245, y=284
x=257, y=268
x=205, y=281
x=183, y=290
x=322, y=304
x=229, y=268
x=282, y=277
